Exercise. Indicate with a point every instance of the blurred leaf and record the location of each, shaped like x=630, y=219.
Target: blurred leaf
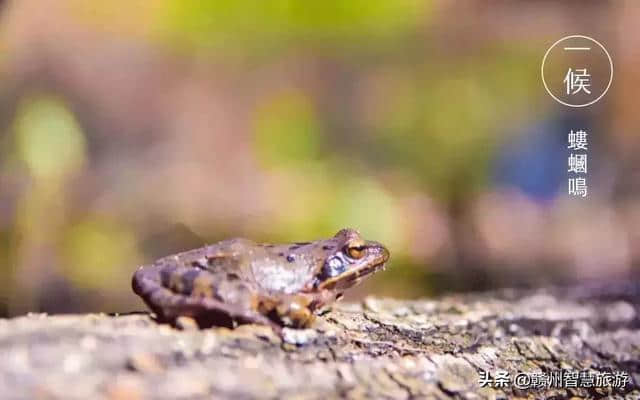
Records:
x=441, y=123
x=319, y=198
x=286, y=129
x=48, y=138
x=222, y=23
x=97, y=252
x=360, y=202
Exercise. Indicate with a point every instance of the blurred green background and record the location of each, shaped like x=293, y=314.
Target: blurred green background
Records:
x=132, y=130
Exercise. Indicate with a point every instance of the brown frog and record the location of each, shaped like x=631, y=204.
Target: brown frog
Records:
x=239, y=281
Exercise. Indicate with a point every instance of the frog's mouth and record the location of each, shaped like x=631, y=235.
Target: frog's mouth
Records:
x=353, y=276
x=370, y=269
x=378, y=262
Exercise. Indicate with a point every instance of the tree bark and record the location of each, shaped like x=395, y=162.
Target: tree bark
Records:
x=381, y=348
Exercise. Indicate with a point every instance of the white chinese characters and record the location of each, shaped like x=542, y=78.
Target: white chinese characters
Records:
x=577, y=80
x=561, y=378
x=578, y=187
x=577, y=71
x=577, y=163
x=577, y=140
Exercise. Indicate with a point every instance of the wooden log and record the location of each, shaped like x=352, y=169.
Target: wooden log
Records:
x=450, y=347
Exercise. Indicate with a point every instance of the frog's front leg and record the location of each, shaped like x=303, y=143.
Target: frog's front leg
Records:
x=294, y=311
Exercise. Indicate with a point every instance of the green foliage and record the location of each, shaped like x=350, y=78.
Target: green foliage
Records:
x=49, y=140
x=257, y=23
x=97, y=252
x=287, y=130
x=442, y=122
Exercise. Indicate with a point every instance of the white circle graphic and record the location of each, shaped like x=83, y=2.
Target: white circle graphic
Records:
x=544, y=82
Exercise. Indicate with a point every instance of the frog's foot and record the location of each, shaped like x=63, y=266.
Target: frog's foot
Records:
x=186, y=323
x=290, y=311
x=298, y=337
x=292, y=314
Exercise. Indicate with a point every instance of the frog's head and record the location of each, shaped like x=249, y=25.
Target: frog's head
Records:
x=348, y=259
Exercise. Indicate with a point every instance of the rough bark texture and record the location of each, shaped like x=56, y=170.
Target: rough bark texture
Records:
x=381, y=348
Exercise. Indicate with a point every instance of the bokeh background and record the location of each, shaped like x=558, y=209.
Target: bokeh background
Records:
x=130, y=130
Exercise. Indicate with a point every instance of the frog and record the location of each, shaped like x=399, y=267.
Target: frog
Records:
x=239, y=281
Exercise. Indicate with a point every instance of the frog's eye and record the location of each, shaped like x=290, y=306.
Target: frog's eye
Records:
x=334, y=266
x=355, y=251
